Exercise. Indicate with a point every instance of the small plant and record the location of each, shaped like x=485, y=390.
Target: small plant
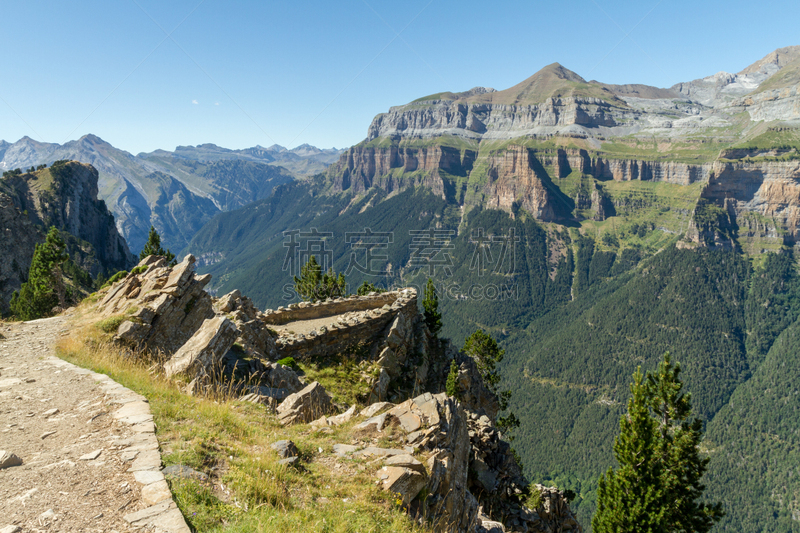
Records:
x=288, y=362
x=534, y=499
x=110, y=324
x=367, y=287
x=139, y=269
x=115, y=278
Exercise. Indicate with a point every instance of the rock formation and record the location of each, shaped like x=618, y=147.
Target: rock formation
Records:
x=64, y=196
x=451, y=448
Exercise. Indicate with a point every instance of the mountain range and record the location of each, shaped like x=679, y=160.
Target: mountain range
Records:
x=178, y=191
x=590, y=228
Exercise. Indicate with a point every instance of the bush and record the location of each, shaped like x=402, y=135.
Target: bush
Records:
x=288, y=362
x=115, y=278
x=140, y=269
x=110, y=324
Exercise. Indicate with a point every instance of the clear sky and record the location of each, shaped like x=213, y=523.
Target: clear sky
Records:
x=148, y=74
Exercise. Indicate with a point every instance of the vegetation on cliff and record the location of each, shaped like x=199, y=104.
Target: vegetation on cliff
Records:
x=44, y=289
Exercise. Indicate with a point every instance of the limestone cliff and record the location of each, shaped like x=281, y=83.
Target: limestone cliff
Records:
x=760, y=201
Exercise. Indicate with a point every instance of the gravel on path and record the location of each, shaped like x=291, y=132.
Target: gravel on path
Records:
x=90, y=459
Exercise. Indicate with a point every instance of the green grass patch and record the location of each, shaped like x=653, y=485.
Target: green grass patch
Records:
x=110, y=324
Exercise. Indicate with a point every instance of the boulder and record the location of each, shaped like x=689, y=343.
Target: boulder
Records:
x=306, y=405
x=404, y=482
x=381, y=387
x=283, y=377
x=343, y=418
x=406, y=461
x=204, y=349
x=285, y=449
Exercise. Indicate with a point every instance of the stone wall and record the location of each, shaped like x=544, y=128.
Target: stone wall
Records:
x=367, y=326
x=338, y=306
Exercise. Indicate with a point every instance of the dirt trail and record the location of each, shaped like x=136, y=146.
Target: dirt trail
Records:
x=77, y=455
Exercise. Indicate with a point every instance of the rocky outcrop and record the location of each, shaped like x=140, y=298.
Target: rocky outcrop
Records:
x=203, y=352
x=761, y=199
x=432, y=118
x=509, y=179
x=166, y=305
x=515, y=179
x=469, y=474
x=390, y=168
x=18, y=242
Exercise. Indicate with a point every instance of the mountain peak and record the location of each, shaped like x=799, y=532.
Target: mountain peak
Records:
x=552, y=81
x=774, y=61
x=91, y=138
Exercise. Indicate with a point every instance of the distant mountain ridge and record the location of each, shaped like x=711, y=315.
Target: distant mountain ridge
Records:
x=177, y=192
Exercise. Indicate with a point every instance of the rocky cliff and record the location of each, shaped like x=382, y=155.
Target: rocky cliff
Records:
x=20, y=237
x=64, y=196
x=549, y=144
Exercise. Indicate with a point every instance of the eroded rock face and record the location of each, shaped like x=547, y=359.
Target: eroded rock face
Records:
x=170, y=305
x=468, y=467
x=202, y=353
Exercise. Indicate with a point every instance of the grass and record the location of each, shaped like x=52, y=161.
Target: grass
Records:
x=344, y=376
x=247, y=491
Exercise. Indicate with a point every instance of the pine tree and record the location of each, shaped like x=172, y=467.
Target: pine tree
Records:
x=487, y=354
x=313, y=285
x=307, y=284
x=451, y=386
x=430, y=304
x=153, y=247
x=657, y=485
x=44, y=289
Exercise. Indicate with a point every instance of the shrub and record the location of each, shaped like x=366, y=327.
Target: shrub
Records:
x=115, y=278
x=110, y=324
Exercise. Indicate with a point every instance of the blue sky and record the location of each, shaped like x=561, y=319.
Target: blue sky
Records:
x=146, y=74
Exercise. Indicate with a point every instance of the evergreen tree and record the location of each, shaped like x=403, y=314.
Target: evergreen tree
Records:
x=153, y=247
x=657, y=485
x=487, y=355
x=366, y=287
x=430, y=304
x=452, y=381
x=44, y=289
x=313, y=285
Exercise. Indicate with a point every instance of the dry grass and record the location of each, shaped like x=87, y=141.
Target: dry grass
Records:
x=248, y=491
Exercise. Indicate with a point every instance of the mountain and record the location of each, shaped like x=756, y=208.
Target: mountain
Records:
x=65, y=196
x=590, y=228
x=719, y=89
x=174, y=191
